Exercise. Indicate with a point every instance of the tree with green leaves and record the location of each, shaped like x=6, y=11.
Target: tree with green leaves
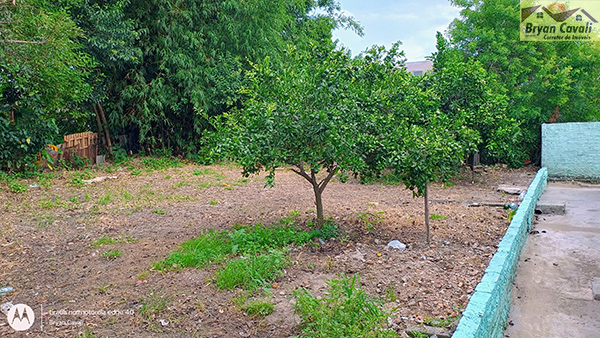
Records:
x=305, y=115
x=467, y=93
x=166, y=65
x=43, y=76
x=538, y=78
x=325, y=114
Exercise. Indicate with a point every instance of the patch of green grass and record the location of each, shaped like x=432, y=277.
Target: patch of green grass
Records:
x=440, y=322
x=198, y=252
x=103, y=288
x=112, y=254
x=74, y=199
x=46, y=220
x=213, y=246
x=447, y=185
x=17, y=187
x=158, y=211
x=180, y=197
x=213, y=202
x=259, y=308
x=50, y=203
x=126, y=195
x=77, y=182
x=104, y=200
x=240, y=182
x=105, y=239
x=390, y=293
x=290, y=219
x=417, y=334
x=435, y=217
x=198, y=172
x=258, y=238
x=241, y=298
x=251, y=273
x=345, y=311
x=45, y=179
x=153, y=305
x=370, y=219
x=180, y=184
x=136, y=172
x=160, y=163
x=87, y=333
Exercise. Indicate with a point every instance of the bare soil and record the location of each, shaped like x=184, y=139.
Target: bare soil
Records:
x=47, y=256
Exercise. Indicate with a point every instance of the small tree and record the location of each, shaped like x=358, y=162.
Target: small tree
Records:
x=423, y=154
x=429, y=146
x=309, y=115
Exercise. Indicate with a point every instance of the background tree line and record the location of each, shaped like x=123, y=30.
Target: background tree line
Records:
x=162, y=70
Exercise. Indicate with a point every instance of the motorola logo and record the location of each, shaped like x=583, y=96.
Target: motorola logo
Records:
x=20, y=317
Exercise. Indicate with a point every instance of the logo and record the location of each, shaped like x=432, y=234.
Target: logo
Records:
x=560, y=21
x=20, y=317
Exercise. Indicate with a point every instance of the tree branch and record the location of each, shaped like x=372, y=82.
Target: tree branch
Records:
x=324, y=182
x=302, y=173
x=23, y=41
x=314, y=178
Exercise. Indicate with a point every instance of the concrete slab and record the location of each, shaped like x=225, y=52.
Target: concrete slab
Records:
x=550, y=209
x=552, y=294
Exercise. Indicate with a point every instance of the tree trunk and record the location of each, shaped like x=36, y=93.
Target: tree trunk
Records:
x=105, y=125
x=319, y=203
x=427, y=210
x=317, y=186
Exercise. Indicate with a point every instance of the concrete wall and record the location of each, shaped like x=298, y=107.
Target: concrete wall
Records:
x=571, y=150
x=487, y=311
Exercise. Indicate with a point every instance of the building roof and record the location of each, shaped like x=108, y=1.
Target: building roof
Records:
x=419, y=67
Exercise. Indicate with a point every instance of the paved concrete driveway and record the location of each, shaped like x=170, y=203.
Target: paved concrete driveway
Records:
x=552, y=295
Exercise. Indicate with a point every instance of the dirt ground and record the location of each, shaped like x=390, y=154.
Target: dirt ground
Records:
x=47, y=256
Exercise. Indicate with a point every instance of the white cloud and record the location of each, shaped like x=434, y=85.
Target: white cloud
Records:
x=385, y=22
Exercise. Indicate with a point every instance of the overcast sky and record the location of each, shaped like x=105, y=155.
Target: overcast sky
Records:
x=385, y=22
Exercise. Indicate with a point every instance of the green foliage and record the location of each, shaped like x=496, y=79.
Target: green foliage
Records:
x=417, y=334
x=158, y=212
x=390, y=293
x=212, y=246
x=312, y=114
x=251, y=273
x=252, y=240
x=259, y=308
x=23, y=140
x=42, y=68
x=198, y=252
x=104, y=200
x=471, y=96
x=511, y=215
x=204, y=48
x=370, y=219
x=153, y=305
x=346, y=311
x=112, y=254
x=17, y=187
x=160, y=163
x=536, y=77
x=441, y=322
x=437, y=217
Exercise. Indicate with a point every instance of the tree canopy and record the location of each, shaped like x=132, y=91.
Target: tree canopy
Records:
x=538, y=78
x=43, y=77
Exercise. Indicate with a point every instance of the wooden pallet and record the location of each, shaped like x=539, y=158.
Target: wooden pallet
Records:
x=82, y=145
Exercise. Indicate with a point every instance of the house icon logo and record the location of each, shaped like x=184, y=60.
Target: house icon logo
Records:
x=560, y=21
x=20, y=317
